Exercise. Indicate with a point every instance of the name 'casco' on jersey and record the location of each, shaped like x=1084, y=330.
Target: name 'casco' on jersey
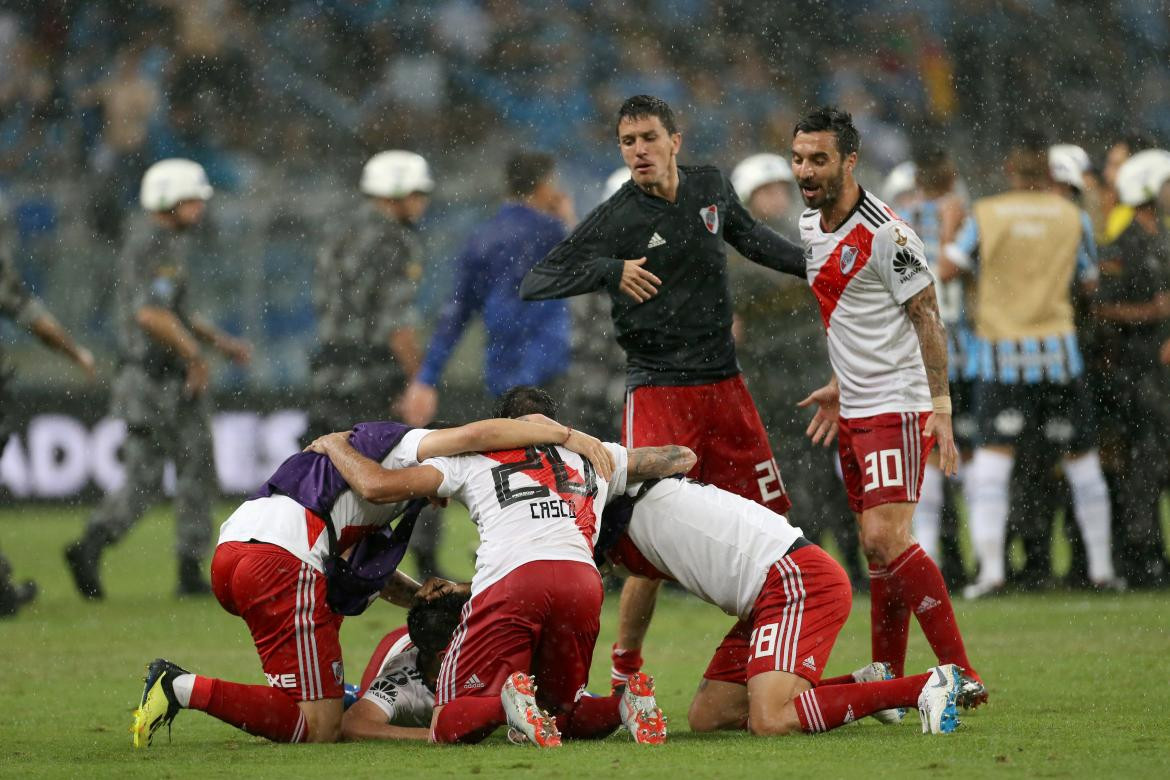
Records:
x=861, y=273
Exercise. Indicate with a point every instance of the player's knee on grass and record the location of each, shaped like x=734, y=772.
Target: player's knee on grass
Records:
x=886, y=532
x=323, y=719
x=718, y=706
x=772, y=711
x=777, y=724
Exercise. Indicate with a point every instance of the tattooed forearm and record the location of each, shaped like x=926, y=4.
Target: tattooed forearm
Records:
x=932, y=339
x=659, y=462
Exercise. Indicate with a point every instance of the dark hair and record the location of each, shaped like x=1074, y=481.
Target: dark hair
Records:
x=1029, y=154
x=525, y=399
x=526, y=170
x=835, y=121
x=431, y=623
x=642, y=106
x=934, y=168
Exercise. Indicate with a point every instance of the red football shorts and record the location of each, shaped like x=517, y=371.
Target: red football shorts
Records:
x=795, y=620
x=720, y=423
x=541, y=618
x=883, y=458
x=282, y=599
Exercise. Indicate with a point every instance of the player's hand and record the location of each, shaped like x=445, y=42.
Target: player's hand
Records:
x=198, y=376
x=588, y=447
x=624, y=663
x=637, y=282
x=823, y=428
x=419, y=404
x=321, y=444
x=435, y=587
x=84, y=359
x=938, y=425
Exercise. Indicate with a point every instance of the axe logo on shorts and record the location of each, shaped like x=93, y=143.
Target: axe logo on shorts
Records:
x=710, y=217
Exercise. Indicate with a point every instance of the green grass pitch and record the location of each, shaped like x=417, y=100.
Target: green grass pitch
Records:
x=1080, y=686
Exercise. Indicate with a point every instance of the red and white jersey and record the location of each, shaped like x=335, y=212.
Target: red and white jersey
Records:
x=717, y=545
x=535, y=504
x=861, y=274
x=396, y=685
x=282, y=521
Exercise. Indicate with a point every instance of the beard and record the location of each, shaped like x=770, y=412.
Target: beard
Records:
x=830, y=190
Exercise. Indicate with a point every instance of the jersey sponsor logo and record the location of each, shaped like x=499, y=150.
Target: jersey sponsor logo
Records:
x=710, y=217
x=655, y=240
x=281, y=680
x=473, y=682
x=907, y=265
x=809, y=663
x=926, y=605
x=848, y=258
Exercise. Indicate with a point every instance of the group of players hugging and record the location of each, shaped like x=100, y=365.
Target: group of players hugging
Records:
x=693, y=496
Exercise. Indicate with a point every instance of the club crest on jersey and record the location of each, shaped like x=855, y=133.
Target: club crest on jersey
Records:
x=710, y=217
x=848, y=258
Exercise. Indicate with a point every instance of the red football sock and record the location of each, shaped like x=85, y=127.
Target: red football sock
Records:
x=924, y=591
x=592, y=717
x=257, y=709
x=845, y=679
x=889, y=619
x=825, y=708
x=469, y=720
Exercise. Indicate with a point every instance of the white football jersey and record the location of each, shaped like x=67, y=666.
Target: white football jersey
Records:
x=535, y=504
x=861, y=274
x=717, y=545
x=398, y=689
x=282, y=521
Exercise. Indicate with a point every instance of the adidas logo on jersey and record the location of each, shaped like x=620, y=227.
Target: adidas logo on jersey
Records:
x=810, y=662
x=655, y=240
x=926, y=605
x=473, y=682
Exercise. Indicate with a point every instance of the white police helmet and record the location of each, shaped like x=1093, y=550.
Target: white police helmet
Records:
x=1141, y=177
x=169, y=182
x=615, y=182
x=396, y=174
x=756, y=171
x=900, y=181
x=1067, y=164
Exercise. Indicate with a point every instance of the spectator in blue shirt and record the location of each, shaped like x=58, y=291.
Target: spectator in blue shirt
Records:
x=527, y=342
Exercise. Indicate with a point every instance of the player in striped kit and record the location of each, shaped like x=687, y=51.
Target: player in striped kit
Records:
x=888, y=399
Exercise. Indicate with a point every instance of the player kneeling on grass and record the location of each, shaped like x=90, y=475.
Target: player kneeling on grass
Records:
x=791, y=598
x=535, y=601
x=273, y=554
x=397, y=693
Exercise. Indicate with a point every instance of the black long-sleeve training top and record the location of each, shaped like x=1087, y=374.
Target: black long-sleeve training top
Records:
x=681, y=336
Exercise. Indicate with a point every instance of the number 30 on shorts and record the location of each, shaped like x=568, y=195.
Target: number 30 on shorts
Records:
x=883, y=469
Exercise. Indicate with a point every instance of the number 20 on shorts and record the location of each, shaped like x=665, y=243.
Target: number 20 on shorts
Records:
x=883, y=469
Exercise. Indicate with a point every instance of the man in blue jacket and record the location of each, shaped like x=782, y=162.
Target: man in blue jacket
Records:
x=527, y=343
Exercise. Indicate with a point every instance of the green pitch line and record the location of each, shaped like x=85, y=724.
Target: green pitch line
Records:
x=1080, y=686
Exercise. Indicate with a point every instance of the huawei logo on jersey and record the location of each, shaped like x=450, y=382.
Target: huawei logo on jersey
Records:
x=848, y=258
x=710, y=217
x=906, y=264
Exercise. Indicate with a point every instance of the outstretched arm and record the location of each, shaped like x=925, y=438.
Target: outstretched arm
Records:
x=370, y=480
x=501, y=434
x=922, y=308
x=366, y=721
x=658, y=462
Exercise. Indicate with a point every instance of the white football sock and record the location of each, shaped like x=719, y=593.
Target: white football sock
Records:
x=928, y=513
x=183, y=685
x=1094, y=515
x=987, y=486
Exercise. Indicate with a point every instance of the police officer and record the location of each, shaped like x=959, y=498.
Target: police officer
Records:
x=161, y=386
x=27, y=311
x=778, y=327
x=1132, y=307
x=366, y=280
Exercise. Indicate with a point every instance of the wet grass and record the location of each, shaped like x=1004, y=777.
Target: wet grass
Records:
x=1080, y=686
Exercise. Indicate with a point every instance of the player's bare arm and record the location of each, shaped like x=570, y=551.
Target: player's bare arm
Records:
x=53, y=335
x=659, y=462
x=922, y=309
x=400, y=590
x=366, y=721
x=370, y=480
x=822, y=429
x=639, y=597
x=1135, y=313
x=500, y=434
x=406, y=350
x=236, y=350
x=163, y=326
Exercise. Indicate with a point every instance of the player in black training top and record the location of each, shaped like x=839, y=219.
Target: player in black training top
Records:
x=673, y=317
